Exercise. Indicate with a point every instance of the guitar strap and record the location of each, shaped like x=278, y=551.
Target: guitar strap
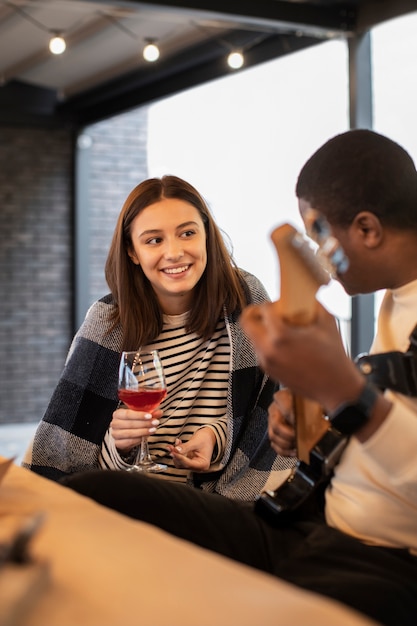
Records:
x=393, y=370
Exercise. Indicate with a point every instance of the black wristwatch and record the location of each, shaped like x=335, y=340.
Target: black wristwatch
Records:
x=349, y=417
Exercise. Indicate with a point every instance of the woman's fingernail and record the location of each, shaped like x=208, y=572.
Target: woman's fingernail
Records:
x=155, y=422
x=148, y=416
x=152, y=430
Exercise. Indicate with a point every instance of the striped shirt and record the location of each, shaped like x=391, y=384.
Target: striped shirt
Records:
x=196, y=373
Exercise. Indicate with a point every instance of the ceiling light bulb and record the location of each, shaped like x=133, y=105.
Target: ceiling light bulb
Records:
x=151, y=52
x=235, y=60
x=57, y=44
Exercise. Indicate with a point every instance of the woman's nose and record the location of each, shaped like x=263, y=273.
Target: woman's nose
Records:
x=174, y=249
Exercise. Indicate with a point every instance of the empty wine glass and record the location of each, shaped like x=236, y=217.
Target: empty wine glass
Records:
x=142, y=387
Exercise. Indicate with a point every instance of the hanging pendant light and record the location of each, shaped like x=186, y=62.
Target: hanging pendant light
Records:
x=235, y=60
x=57, y=44
x=151, y=51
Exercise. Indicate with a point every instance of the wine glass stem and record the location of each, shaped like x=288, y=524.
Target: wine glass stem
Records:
x=143, y=458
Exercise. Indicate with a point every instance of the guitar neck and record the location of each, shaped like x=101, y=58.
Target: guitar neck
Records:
x=318, y=446
x=301, y=277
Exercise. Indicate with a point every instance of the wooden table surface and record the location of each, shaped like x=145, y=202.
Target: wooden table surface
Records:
x=107, y=570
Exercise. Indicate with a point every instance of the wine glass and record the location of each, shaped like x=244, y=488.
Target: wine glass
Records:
x=142, y=387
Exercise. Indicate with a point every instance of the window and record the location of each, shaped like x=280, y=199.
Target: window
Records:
x=241, y=141
x=394, y=50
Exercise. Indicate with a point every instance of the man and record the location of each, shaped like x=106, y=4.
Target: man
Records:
x=362, y=549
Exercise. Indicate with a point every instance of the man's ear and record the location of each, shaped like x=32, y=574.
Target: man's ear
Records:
x=369, y=228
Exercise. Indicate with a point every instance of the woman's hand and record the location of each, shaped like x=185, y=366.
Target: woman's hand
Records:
x=196, y=453
x=281, y=430
x=128, y=427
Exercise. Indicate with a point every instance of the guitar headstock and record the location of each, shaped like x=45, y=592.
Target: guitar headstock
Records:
x=303, y=271
x=301, y=275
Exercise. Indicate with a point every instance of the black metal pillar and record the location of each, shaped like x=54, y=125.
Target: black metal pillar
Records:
x=361, y=116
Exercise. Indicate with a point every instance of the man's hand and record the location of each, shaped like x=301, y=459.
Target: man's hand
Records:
x=310, y=360
x=281, y=430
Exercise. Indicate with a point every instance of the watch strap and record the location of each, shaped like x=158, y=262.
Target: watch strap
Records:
x=351, y=416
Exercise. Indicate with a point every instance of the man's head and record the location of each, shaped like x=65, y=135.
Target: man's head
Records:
x=366, y=187
x=361, y=170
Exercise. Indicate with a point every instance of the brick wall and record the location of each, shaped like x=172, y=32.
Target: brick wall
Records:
x=118, y=162
x=35, y=267
x=36, y=247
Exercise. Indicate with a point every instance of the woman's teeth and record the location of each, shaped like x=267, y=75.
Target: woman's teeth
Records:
x=176, y=270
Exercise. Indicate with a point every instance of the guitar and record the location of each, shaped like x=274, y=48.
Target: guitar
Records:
x=318, y=445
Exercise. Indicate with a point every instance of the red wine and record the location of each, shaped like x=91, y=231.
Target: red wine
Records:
x=142, y=399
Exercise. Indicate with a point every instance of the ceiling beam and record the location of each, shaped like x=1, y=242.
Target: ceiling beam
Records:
x=22, y=104
x=187, y=69
x=374, y=12
x=264, y=14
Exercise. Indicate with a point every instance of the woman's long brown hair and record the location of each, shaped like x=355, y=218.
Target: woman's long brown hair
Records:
x=137, y=307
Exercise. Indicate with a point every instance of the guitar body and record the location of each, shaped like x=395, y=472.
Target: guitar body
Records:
x=285, y=501
x=318, y=446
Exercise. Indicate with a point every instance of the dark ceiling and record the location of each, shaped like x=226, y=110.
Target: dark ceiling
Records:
x=102, y=72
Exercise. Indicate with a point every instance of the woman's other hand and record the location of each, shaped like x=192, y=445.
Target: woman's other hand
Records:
x=195, y=454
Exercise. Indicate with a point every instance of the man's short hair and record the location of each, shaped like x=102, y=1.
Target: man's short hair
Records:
x=361, y=170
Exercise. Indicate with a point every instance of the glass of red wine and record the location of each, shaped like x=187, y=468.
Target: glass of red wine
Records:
x=142, y=387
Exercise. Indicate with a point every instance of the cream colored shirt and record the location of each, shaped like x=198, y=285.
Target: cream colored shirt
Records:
x=373, y=494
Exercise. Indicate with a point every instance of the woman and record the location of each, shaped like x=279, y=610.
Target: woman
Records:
x=174, y=287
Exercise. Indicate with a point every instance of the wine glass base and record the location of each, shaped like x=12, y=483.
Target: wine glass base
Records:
x=152, y=468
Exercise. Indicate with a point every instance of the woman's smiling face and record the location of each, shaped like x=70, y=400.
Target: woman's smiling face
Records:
x=169, y=243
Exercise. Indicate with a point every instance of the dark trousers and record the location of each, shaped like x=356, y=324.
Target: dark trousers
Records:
x=380, y=582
